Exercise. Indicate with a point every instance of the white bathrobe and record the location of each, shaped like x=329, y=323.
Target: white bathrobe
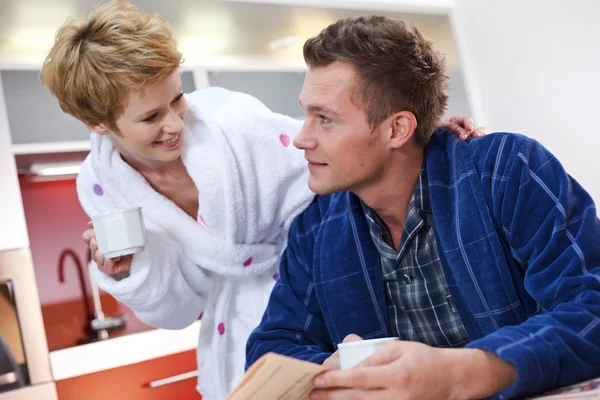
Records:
x=252, y=182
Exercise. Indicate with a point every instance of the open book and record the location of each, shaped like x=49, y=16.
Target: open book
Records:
x=277, y=377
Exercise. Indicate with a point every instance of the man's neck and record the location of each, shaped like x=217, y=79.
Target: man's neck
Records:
x=391, y=195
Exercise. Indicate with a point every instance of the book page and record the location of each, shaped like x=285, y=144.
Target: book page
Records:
x=277, y=377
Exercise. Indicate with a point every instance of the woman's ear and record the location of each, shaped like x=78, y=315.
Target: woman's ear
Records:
x=404, y=125
x=100, y=129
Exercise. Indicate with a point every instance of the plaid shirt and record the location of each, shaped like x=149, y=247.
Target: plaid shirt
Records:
x=418, y=300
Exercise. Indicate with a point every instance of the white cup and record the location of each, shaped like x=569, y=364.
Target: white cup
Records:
x=119, y=233
x=353, y=353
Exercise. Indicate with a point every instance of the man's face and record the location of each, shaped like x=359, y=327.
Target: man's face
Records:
x=342, y=151
x=151, y=125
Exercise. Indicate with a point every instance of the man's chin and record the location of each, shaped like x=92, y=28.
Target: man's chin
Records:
x=321, y=189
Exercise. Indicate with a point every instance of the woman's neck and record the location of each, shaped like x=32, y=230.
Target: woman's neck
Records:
x=151, y=169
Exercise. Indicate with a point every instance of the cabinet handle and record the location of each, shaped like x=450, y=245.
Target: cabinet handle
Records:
x=7, y=379
x=173, y=379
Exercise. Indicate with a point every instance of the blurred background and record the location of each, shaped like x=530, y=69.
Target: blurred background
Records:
x=527, y=66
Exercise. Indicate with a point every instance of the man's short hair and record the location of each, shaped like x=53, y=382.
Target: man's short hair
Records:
x=397, y=68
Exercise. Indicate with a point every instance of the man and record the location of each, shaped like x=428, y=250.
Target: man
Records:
x=483, y=257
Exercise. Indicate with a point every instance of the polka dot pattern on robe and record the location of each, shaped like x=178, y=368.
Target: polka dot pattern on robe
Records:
x=285, y=140
x=98, y=190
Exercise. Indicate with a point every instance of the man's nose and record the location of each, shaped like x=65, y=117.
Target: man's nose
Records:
x=305, y=140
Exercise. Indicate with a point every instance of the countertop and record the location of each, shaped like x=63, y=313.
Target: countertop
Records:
x=123, y=350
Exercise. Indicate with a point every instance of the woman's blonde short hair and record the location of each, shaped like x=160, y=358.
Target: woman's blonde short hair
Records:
x=94, y=65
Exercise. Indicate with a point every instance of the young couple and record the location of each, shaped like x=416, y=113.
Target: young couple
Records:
x=482, y=255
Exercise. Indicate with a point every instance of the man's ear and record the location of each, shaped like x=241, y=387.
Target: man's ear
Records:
x=100, y=129
x=403, y=126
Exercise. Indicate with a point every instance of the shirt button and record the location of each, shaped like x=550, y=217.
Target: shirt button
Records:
x=407, y=279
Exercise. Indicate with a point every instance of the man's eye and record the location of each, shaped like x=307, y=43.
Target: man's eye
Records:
x=324, y=119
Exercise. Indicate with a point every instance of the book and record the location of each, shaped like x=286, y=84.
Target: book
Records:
x=277, y=377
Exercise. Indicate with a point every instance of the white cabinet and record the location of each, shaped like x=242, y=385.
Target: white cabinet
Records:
x=37, y=124
x=40, y=131
x=34, y=116
x=13, y=230
x=278, y=90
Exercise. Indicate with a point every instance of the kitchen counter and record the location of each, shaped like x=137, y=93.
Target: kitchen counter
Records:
x=123, y=350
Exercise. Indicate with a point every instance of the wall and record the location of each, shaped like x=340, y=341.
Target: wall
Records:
x=533, y=66
x=13, y=232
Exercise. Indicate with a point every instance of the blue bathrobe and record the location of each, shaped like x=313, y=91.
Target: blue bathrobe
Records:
x=519, y=241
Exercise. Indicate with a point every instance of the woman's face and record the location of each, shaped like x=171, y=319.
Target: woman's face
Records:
x=151, y=125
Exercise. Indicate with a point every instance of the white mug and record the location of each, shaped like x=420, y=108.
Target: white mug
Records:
x=353, y=353
x=120, y=233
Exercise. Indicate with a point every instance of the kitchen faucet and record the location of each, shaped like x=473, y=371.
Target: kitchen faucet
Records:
x=97, y=326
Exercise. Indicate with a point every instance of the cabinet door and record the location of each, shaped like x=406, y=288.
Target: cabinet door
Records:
x=13, y=234
x=132, y=382
x=34, y=116
x=279, y=90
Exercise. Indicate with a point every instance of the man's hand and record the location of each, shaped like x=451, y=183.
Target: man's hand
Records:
x=409, y=370
x=333, y=362
x=462, y=126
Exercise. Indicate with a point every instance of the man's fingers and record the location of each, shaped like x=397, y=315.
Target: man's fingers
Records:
x=359, y=378
x=333, y=362
x=385, y=355
x=352, y=338
x=351, y=394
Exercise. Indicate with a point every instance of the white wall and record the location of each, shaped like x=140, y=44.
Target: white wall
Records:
x=535, y=69
x=13, y=230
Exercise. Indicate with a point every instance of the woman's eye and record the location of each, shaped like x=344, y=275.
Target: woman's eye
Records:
x=150, y=118
x=178, y=97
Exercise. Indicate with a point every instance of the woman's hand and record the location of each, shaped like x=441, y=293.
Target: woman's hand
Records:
x=117, y=267
x=462, y=126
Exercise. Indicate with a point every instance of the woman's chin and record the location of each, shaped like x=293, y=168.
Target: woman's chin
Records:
x=168, y=156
